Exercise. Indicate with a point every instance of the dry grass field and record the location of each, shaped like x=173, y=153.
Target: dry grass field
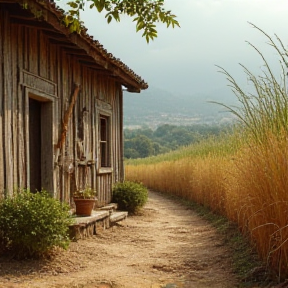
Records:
x=248, y=185
x=243, y=176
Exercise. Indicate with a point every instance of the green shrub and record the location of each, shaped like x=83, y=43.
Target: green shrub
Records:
x=31, y=224
x=130, y=196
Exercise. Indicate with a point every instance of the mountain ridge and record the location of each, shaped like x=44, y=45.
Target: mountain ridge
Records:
x=154, y=107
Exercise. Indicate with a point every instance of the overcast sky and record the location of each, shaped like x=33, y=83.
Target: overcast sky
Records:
x=213, y=32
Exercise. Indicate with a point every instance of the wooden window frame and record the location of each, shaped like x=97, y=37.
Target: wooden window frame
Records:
x=105, y=142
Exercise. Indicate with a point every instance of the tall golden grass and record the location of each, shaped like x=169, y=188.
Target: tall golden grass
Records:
x=258, y=199
x=248, y=186
x=244, y=176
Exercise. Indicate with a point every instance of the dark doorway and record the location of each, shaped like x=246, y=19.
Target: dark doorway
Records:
x=35, y=144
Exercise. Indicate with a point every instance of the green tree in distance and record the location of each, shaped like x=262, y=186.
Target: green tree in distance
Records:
x=146, y=13
x=140, y=146
x=145, y=142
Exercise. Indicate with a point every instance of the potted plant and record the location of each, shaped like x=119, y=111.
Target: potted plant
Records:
x=84, y=201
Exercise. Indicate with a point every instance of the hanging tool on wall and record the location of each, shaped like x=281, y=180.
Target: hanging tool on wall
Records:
x=66, y=119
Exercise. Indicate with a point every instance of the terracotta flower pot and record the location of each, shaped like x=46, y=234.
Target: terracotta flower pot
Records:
x=84, y=207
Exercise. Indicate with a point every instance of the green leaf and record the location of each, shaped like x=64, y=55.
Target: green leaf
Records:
x=116, y=15
x=99, y=4
x=73, y=4
x=140, y=26
x=109, y=19
x=153, y=30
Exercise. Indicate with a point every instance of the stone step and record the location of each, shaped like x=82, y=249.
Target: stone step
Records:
x=99, y=220
x=109, y=207
x=84, y=227
x=95, y=216
x=117, y=216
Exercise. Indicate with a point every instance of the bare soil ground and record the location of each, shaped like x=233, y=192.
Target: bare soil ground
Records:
x=166, y=246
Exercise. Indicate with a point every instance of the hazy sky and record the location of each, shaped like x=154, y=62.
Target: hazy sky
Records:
x=213, y=32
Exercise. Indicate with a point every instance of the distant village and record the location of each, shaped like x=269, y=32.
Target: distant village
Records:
x=134, y=121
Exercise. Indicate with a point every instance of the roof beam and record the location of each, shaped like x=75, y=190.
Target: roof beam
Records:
x=76, y=44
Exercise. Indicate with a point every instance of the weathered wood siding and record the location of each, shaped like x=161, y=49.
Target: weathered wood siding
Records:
x=34, y=64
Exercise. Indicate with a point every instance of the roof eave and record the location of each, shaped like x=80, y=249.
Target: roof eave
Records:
x=51, y=14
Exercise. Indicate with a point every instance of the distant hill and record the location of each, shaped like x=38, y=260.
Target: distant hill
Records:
x=153, y=107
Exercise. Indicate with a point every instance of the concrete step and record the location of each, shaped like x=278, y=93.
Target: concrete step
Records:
x=109, y=207
x=95, y=216
x=99, y=220
x=88, y=226
x=117, y=216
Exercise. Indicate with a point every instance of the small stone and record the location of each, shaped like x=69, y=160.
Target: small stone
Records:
x=170, y=285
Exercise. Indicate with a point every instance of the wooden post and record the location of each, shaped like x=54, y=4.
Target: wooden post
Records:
x=67, y=116
x=62, y=139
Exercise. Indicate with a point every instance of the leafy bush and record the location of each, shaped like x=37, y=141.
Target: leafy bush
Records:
x=130, y=196
x=31, y=224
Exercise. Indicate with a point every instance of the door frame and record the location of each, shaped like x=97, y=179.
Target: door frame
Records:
x=47, y=127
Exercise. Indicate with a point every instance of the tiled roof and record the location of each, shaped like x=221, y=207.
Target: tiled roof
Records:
x=116, y=66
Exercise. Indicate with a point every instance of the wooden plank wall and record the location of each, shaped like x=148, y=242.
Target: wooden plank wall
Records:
x=30, y=49
x=2, y=141
x=22, y=172
x=7, y=108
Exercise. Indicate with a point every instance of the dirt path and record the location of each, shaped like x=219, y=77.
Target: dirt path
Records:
x=168, y=246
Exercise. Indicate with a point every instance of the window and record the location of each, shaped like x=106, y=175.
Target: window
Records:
x=105, y=149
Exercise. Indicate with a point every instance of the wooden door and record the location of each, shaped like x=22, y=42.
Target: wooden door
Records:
x=35, y=144
x=40, y=133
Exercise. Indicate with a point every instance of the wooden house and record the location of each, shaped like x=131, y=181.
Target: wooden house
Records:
x=61, y=104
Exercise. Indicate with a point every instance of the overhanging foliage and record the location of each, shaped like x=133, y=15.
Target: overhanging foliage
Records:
x=146, y=13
